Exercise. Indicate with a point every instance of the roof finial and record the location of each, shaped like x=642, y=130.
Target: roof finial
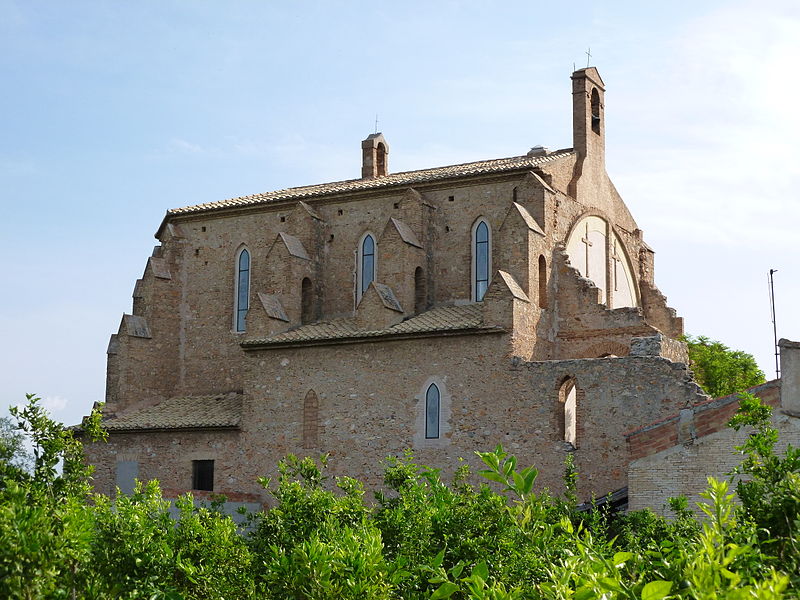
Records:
x=376, y=122
x=588, y=57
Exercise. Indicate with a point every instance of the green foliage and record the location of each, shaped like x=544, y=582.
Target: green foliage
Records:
x=422, y=537
x=719, y=370
x=769, y=489
x=13, y=455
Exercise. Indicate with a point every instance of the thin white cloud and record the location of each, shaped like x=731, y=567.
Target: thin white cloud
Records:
x=54, y=403
x=721, y=111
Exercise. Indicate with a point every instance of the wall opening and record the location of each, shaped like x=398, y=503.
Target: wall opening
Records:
x=306, y=301
x=203, y=475
x=380, y=160
x=595, y=111
x=542, y=282
x=568, y=422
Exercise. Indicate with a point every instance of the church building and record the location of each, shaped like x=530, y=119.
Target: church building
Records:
x=443, y=310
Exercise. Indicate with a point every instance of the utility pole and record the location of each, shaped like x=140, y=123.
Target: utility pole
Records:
x=774, y=326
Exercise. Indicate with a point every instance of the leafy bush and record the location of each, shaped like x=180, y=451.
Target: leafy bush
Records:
x=421, y=538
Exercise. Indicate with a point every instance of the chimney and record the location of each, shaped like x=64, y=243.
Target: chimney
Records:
x=375, y=157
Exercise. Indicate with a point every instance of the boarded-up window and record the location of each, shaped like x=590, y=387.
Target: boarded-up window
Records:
x=306, y=301
x=127, y=473
x=311, y=420
x=420, y=293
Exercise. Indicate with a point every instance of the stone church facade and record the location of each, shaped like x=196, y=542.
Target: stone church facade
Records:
x=444, y=310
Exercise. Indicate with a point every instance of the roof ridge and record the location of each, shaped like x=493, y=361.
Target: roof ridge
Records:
x=400, y=178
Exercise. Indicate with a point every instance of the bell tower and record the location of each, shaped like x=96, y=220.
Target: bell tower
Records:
x=588, y=116
x=374, y=156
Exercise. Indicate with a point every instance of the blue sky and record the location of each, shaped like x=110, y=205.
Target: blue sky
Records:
x=113, y=112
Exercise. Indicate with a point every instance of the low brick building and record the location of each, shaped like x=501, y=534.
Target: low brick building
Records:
x=445, y=310
x=675, y=455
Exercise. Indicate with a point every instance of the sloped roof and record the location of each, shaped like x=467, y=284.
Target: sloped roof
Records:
x=446, y=318
x=497, y=165
x=406, y=233
x=294, y=246
x=185, y=412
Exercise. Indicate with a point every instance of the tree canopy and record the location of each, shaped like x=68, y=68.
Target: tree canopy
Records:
x=719, y=370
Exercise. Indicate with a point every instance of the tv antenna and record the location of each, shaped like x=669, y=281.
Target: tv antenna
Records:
x=774, y=326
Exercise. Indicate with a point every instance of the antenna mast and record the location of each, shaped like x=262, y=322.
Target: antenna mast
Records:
x=774, y=326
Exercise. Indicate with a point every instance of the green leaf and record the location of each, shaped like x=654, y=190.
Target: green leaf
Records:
x=492, y=476
x=584, y=593
x=445, y=590
x=610, y=584
x=730, y=575
x=656, y=590
x=620, y=558
x=481, y=570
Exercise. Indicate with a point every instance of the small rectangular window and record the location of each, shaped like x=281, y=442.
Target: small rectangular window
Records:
x=203, y=475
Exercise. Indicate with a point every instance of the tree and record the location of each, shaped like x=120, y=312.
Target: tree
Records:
x=719, y=370
x=13, y=454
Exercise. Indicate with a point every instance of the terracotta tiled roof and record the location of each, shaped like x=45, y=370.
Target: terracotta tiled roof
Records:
x=187, y=412
x=497, y=165
x=445, y=318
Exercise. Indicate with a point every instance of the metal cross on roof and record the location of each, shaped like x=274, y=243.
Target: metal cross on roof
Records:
x=588, y=56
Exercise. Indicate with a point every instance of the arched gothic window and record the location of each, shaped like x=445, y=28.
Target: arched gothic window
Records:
x=432, y=410
x=481, y=259
x=366, y=264
x=567, y=397
x=242, y=288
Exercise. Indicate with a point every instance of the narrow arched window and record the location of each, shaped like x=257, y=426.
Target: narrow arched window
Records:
x=366, y=270
x=306, y=301
x=432, y=405
x=380, y=160
x=567, y=397
x=420, y=293
x=542, y=282
x=481, y=260
x=242, y=289
x=595, y=111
